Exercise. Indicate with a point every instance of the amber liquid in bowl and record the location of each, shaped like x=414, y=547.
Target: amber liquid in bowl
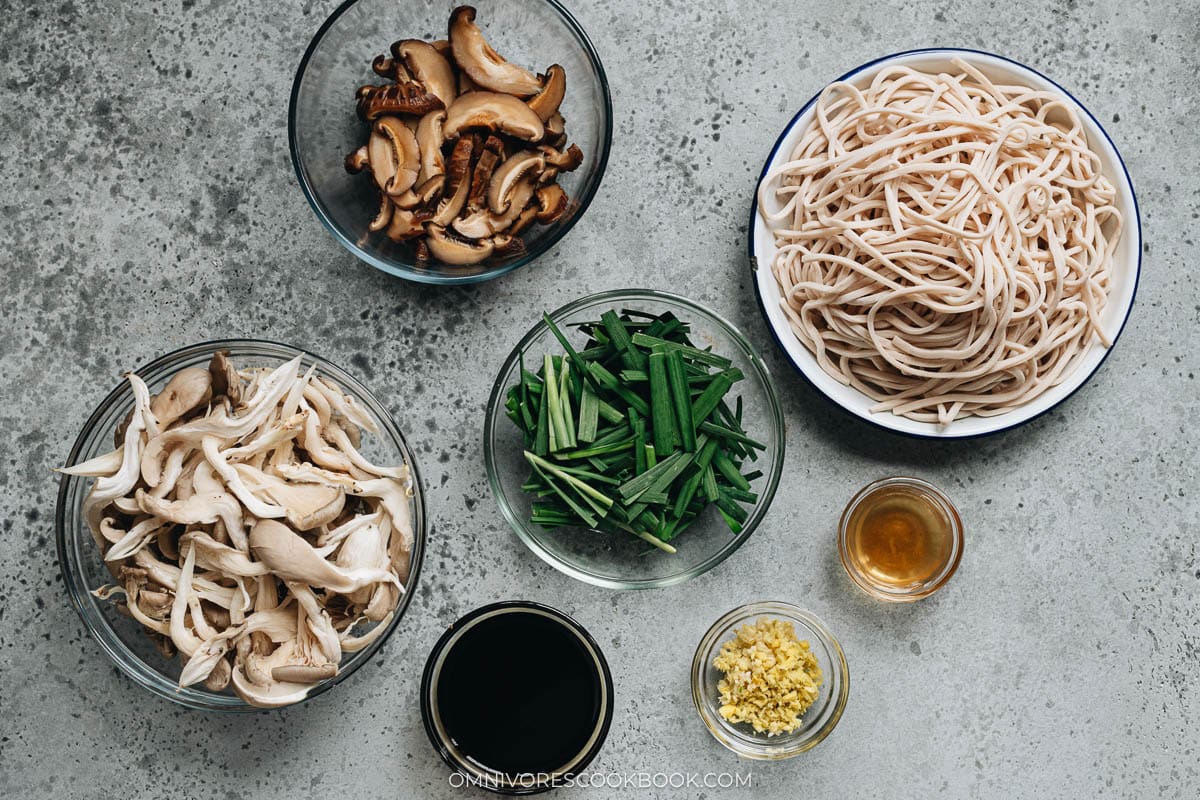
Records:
x=900, y=539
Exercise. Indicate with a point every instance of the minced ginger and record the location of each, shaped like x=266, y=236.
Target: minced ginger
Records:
x=771, y=677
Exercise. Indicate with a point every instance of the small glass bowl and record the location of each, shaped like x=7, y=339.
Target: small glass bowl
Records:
x=462, y=763
x=323, y=126
x=816, y=724
x=121, y=638
x=622, y=562
x=912, y=592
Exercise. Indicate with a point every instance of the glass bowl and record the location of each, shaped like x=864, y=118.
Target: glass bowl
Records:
x=477, y=774
x=914, y=590
x=323, y=126
x=83, y=570
x=816, y=724
x=623, y=562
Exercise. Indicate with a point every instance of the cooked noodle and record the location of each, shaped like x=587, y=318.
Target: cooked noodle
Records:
x=944, y=243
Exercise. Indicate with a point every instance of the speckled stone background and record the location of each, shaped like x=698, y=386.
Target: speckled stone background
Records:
x=149, y=202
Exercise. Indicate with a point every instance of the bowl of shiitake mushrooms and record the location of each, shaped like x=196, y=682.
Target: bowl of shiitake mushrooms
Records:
x=449, y=144
x=240, y=525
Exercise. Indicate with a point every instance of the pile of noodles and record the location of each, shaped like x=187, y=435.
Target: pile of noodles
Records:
x=944, y=243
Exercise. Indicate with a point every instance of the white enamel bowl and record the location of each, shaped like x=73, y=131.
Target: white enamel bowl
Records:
x=1127, y=259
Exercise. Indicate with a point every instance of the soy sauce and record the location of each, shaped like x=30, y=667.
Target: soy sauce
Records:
x=519, y=693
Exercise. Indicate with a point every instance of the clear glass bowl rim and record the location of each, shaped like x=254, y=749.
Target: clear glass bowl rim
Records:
x=956, y=535
x=493, y=416
x=407, y=271
x=427, y=677
x=97, y=626
x=764, y=749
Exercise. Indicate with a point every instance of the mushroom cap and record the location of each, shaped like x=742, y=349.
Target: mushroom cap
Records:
x=546, y=102
x=494, y=112
x=429, y=67
x=483, y=64
x=407, y=97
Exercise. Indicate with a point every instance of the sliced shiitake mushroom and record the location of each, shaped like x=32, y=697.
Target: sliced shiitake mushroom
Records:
x=384, y=67
x=406, y=224
x=507, y=245
x=384, y=216
x=566, y=160
x=485, y=222
x=396, y=160
x=450, y=249
x=422, y=195
x=408, y=97
x=485, y=165
x=486, y=67
x=523, y=220
x=458, y=182
x=494, y=112
x=429, y=67
x=546, y=102
x=556, y=131
x=552, y=203
x=429, y=142
x=357, y=161
x=509, y=175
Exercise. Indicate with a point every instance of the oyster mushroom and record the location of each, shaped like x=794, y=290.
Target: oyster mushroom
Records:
x=291, y=558
x=429, y=67
x=269, y=615
x=498, y=113
x=188, y=389
x=225, y=380
x=483, y=64
x=554, y=87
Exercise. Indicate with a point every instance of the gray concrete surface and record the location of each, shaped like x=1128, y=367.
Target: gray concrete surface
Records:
x=149, y=202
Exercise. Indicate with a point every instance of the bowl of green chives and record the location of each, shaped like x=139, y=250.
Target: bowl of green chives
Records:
x=633, y=439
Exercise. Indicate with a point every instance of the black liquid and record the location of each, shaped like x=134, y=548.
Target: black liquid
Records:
x=518, y=693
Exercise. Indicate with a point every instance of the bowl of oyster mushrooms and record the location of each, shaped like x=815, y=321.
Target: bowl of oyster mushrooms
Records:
x=240, y=525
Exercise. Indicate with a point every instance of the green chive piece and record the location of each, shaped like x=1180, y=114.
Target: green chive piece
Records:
x=661, y=413
x=630, y=356
x=680, y=398
x=589, y=414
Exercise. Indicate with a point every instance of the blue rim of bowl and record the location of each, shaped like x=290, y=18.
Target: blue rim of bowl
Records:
x=514, y=606
x=417, y=556
x=409, y=272
x=754, y=263
x=766, y=496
